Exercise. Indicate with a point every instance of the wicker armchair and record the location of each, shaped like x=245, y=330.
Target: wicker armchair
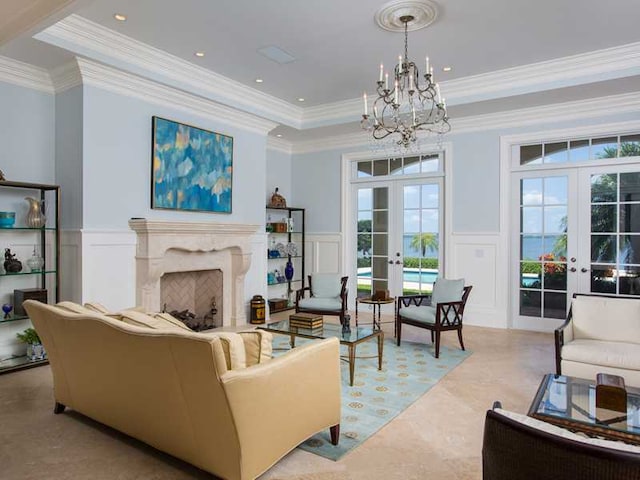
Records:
x=512, y=450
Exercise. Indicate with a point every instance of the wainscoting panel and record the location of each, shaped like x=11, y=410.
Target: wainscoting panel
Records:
x=323, y=253
x=108, y=268
x=479, y=260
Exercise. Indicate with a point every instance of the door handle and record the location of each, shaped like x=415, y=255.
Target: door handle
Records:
x=572, y=269
x=398, y=262
x=584, y=270
x=390, y=262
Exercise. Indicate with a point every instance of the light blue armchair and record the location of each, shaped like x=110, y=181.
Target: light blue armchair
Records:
x=328, y=295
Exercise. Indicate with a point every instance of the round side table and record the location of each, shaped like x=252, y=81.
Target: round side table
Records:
x=375, y=303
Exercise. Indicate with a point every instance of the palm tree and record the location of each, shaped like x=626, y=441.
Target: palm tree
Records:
x=424, y=241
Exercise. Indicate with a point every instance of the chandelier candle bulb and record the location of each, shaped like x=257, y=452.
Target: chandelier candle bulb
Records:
x=364, y=98
x=438, y=92
x=381, y=71
x=386, y=81
x=426, y=64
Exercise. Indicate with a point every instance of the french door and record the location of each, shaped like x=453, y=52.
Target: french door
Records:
x=399, y=228
x=578, y=230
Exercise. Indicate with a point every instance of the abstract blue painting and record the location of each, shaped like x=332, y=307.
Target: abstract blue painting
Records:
x=192, y=168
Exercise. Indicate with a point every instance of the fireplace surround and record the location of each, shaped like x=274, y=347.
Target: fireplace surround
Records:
x=164, y=247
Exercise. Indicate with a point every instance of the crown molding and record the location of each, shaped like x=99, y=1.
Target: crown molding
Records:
x=25, y=75
x=123, y=83
x=274, y=143
x=560, y=112
x=90, y=39
x=609, y=63
x=66, y=76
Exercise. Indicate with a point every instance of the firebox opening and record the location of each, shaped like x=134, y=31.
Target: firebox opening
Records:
x=194, y=297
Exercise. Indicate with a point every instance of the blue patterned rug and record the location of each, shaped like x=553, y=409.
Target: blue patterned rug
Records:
x=377, y=397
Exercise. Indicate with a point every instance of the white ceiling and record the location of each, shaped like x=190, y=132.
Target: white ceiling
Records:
x=338, y=47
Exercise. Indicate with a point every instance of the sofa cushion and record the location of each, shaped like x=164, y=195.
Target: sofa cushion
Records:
x=74, y=307
x=447, y=291
x=561, y=432
x=233, y=347
x=325, y=285
x=140, y=319
x=609, y=354
x=322, y=304
x=172, y=320
x=96, y=307
x=423, y=313
x=257, y=345
x=606, y=318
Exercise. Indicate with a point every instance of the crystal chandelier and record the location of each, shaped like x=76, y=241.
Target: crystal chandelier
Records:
x=408, y=107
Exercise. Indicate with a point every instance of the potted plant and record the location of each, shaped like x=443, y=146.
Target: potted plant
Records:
x=35, y=350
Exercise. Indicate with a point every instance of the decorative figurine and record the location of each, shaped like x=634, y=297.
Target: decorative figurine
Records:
x=11, y=263
x=35, y=262
x=277, y=200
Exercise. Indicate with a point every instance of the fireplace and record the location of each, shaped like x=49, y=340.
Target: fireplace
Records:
x=170, y=247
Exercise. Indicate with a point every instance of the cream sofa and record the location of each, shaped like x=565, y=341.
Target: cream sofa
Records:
x=601, y=334
x=217, y=401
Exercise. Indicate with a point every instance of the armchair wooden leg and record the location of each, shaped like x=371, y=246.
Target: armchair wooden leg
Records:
x=335, y=434
x=460, y=338
x=59, y=408
x=437, y=344
x=398, y=331
x=432, y=340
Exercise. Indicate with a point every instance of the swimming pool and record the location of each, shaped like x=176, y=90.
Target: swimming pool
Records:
x=411, y=275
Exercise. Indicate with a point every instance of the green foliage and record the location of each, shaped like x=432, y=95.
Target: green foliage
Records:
x=424, y=242
x=417, y=262
x=29, y=336
x=364, y=241
x=531, y=267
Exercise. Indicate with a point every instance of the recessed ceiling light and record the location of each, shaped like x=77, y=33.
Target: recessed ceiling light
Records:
x=259, y=80
x=199, y=54
x=120, y=17
x=446, y=69
x=279, y=135
x=301, y=99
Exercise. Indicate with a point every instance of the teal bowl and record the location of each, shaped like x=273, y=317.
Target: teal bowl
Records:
x=7, y=219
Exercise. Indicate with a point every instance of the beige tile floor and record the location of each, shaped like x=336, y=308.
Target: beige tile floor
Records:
x=439, y=436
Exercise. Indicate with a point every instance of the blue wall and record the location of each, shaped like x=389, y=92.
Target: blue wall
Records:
x=117, y=163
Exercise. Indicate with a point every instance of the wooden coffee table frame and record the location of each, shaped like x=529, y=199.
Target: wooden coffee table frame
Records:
x=576, y=425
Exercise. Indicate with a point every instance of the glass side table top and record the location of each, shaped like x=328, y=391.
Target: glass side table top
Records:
x=328, y=330
x=571, y=402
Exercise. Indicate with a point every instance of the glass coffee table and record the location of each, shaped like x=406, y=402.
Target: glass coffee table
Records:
x=351, y=338
x=571, y=403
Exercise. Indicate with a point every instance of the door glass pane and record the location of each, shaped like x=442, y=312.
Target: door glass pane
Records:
x=430, y=163
x=556, y=152
x=630, y=146
x=606, y=147
x=531, y=191
x=412, y=196
x=615, y=238
x=531, y=155
x=603, y=218
x=395, y=166
x=380, y=168
x=372, y=253
x=603, y=279
x=364, y=169
x=630, y=187
x=543, y=246
x=604, y=188
x=421, y=239
x=411, y=165
x=578, y=150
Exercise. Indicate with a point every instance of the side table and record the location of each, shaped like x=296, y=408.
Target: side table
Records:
x=375, y=303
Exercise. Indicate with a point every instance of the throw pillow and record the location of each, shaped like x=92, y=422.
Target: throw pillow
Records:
x=447, y=291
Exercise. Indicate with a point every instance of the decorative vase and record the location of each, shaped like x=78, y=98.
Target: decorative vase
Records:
x=288, y=270
x=35, y=217
x=6, y=308
x=35, y=262
x=35, y=352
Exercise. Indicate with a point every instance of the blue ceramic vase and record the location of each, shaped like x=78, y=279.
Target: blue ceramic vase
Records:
x=288, y=271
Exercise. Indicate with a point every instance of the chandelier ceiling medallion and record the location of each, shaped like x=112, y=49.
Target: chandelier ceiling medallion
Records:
x=407, y=103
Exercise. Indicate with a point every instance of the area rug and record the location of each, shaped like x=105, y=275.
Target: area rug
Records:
x=377, y=397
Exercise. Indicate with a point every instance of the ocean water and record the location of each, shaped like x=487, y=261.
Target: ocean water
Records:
x=533, y=246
